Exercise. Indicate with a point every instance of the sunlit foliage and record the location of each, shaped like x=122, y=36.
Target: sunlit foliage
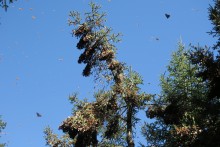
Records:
x=112, y=115
x=179, y=107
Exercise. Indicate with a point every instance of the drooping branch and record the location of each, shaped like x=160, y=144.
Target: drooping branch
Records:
x=96, y=42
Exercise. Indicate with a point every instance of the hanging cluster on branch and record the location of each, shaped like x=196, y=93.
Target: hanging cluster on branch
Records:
x=112, y=115
x=94, y=39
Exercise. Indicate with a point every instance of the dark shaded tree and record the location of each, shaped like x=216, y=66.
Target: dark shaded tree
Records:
x=208, y=60
x=190, y=118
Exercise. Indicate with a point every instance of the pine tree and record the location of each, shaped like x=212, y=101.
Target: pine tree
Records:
x=190, y=118
x=112, y=115
x=208, y=60
x=178, y=109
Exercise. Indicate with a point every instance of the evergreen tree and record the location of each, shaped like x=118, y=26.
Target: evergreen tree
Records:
x=208, y=60
x=190, y=116
x=112, y=115
x=178, y=110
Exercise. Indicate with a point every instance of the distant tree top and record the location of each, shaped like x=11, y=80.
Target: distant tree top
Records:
x=4, y=3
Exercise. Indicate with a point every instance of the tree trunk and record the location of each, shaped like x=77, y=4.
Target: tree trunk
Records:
x=130, y=140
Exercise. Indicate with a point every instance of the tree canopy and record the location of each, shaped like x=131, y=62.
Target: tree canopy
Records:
x=112, y=115
x=187, y=111
x=178, y=110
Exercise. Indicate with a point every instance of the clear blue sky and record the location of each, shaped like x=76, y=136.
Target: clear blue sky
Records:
x=38, y=57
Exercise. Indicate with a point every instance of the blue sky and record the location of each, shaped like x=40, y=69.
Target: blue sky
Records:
x=38, y=57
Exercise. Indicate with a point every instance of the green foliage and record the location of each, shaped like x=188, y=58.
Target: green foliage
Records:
x=214, y=16
x=2, y=127
x=2, y=124
x=187, y=112
x=95, y=39
x=4, y=3
x=53, y=140
x=112, y=115
x=179, y=108
x=208, y=60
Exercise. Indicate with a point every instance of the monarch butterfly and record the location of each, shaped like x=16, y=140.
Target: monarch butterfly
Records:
x=38, y=114
x=167, y=15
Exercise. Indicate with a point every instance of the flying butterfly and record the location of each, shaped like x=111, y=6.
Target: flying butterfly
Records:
x=38, y=114
x=60, y=59
x=33, y=17
x=167, y=15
